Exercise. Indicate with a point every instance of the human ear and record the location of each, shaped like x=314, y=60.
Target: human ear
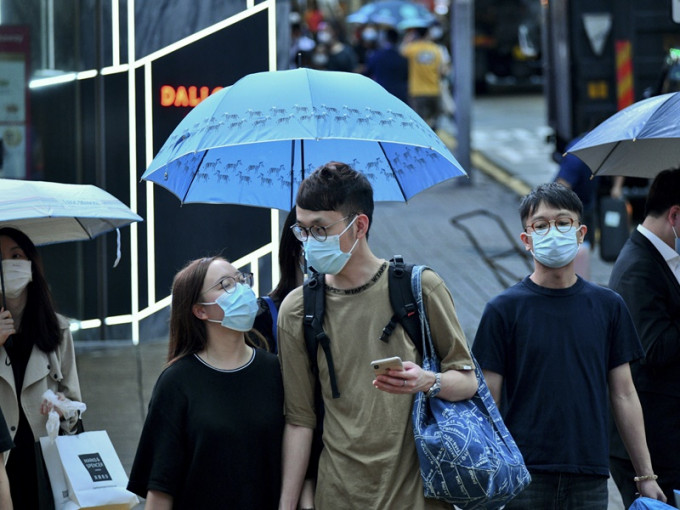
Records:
x=526, y=241
x=362, y=223
x=199, y=312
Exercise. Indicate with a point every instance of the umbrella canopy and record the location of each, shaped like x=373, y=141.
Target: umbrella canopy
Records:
x=254, y=142
x=639, y=141
x=391, y=12
x=50, y=212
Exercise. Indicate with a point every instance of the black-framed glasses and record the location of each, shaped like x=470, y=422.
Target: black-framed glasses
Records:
x=562, y=223
x=228, y=283
x=318, y=232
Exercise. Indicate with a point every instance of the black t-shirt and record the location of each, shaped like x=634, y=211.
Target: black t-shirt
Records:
x=554, y=349
x=212, y=438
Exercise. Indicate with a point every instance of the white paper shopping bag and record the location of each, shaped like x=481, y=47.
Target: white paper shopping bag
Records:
x=93, y=474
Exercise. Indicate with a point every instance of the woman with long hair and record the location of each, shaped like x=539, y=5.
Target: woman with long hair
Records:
x=36, y=354
x=212, y=437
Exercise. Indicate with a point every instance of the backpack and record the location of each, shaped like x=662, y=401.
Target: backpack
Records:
x=403, y=304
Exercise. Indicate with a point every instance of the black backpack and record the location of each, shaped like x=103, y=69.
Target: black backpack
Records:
x=401, y=298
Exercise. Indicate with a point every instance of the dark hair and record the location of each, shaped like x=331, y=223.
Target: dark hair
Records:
x=664, y=193
x=39, y=320
x=290, y=254
x=392, y=36
x=552, y=194
x=188, y=333
x=337, y=186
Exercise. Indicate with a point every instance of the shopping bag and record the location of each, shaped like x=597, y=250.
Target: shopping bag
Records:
x=467, y=455
x=85, y=472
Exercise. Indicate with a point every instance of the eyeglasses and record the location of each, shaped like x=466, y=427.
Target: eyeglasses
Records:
x=228, y=283
x=316, y=231
x=562, y=224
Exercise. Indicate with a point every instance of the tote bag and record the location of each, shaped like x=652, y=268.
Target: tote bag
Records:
x=467, y=456
x=85, y=472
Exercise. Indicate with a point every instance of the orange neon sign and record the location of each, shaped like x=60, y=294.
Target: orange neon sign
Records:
x=184, y=96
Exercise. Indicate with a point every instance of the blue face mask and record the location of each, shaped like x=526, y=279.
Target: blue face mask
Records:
x=555, y=249
x=326, y=256
x=239, y=307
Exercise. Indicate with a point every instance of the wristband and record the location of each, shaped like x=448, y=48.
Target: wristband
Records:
x=644, y=478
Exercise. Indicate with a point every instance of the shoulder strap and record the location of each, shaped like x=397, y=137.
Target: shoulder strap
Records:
x=403, y=303
x=314, y=298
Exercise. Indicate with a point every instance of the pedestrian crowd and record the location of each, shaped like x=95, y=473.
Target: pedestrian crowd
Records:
x=412, y=63
x=245, y=415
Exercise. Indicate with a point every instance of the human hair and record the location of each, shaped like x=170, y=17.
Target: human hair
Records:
x=392, y=36
x=39, y=319
x=188, y=333
x=290, y=254
x=336, y=186
x=664, y=193
x=552, y=194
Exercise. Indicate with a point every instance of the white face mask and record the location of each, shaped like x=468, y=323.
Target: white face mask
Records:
x=17, y=274
x=326, y=256
x=555, y=249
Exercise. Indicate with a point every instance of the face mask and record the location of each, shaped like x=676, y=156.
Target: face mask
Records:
x=17, y=274
x=677, y=240
x=369, y=34
x=324, y=37
x=326, y=256
x=555, y=249
x=239, y=307
x=320, y=59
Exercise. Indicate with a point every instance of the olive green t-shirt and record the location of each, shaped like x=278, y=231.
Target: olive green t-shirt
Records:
x=369, y=459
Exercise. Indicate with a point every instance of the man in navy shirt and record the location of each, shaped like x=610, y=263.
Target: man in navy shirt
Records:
x=557, y=349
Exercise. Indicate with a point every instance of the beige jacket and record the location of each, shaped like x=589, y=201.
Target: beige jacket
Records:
x=55, y=371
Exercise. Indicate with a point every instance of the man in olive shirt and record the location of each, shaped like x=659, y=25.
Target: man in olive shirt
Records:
x=369, y=458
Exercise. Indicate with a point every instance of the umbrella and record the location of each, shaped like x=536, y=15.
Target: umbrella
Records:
x=49, y=212
x=639, y=141
x=254, y=142
x=391, y=12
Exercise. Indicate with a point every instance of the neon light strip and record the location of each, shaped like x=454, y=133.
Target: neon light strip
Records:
x=53, y=80
x=84, y=75
x=132, y=140
x=115, y=32
x=150, y=202
x=122, y=68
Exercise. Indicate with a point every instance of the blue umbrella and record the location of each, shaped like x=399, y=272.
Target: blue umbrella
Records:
x=254, y=142
x=639, y=141
x=391, y=12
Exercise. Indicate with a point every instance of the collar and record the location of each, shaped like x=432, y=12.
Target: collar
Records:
x=671, y=257
x=668, y=253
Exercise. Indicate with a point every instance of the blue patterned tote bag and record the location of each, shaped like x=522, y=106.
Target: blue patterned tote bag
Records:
x=467, y=456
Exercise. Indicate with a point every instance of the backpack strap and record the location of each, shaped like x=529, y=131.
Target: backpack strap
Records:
x=314, y=298
x=403, y=303
x=274, y=312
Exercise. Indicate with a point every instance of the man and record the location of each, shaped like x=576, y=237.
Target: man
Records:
x=369, y=458
x=559, y=348
x=647, y=275
x=388, y=67
x=425, y=69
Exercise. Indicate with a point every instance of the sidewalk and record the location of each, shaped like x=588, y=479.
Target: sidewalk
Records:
x=117, y=379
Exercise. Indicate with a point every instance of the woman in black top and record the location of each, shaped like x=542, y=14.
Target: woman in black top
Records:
x=212, y=437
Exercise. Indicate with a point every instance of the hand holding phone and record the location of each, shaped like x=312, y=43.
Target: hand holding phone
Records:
x=381, y=366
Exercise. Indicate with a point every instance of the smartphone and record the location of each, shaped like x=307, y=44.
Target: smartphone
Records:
x=380, y=366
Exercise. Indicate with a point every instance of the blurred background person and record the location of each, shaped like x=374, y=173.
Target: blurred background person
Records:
x=331, y=42
x=301, y=43
x=212, y=436
x=425, y=70
x=388, y=67
x=365, y=45
x=36, y=355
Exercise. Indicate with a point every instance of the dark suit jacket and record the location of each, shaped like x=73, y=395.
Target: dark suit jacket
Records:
x=642, y=277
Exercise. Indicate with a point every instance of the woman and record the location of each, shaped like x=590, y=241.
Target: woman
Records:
x=212, y=437
x=36, y=354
